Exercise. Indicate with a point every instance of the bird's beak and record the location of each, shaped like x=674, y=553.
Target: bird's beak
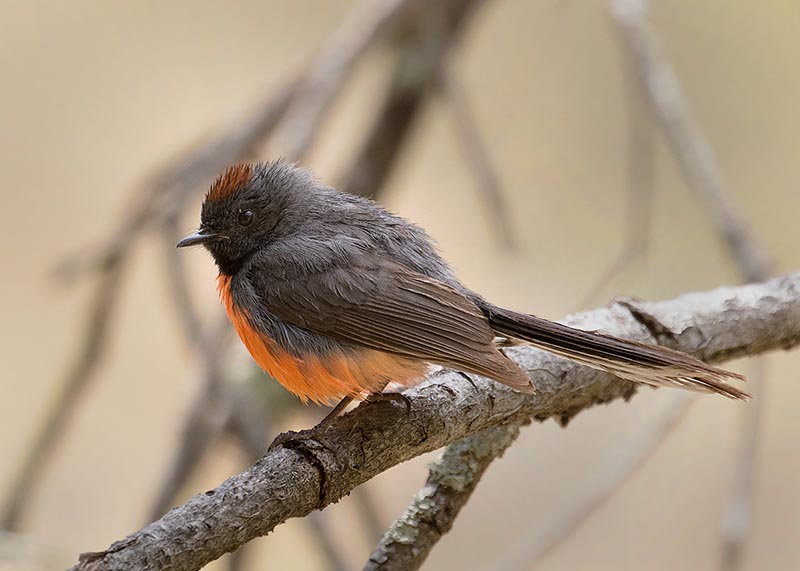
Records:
x=202, y=236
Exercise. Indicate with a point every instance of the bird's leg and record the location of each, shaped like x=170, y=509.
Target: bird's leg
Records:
x=336, y=411
x=379, y=396
x=345, y=402
x=292, y=439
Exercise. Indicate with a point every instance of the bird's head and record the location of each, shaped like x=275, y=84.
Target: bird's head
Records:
x=249, y=206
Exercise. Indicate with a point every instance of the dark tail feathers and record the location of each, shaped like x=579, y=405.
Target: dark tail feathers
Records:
x=649, y=364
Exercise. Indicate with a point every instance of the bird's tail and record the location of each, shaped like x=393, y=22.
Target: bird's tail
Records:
x=649, y=364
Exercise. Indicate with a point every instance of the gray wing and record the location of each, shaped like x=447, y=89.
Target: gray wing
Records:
x=380, y=304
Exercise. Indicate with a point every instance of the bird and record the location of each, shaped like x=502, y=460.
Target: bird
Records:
x=335, y=297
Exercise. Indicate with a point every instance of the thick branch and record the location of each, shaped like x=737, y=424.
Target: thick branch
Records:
x=451, y=481
x=319, y=467
x=607, y=479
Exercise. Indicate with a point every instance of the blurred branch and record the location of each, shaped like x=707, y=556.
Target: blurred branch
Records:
x=166, y=190
x=422, y=66
x=203, y=426
x=317, y=467
x=640, y=191
x=420, y=57
x=367, y=22
x=664, y=97
x=738, y=515
x=451, y=481
x=330, y=552
x=662, y=92
x=205, y=421
x=448, y=501
x=477, y=154
x=626, y=461
x=208, y=415
x=640, y=182
x=169, y=183
x=72, y=390
x=175, y=270
x=161, y=196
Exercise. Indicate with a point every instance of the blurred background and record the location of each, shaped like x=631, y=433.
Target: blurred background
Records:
x=516, y=134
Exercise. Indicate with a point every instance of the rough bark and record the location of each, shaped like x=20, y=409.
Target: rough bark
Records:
x=315, y=468
x=407, y=543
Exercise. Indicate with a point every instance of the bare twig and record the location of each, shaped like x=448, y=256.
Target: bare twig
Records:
x=205, y=420
x=74, y=386
x=175, y=179
x=212, y=410
x=368, y=22
x=451, y=481
x=368, y=512
x=619, y=468
x=640, y=190
x=174, y=268
x=319, y=529
x=163, y=192
x=476, y=154
x=662, y=91
x=420, y=57
x=663, y=94
x=311, y=470
x=639, y=216
x=737, y=518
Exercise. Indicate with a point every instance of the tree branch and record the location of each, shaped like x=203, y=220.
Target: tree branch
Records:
x=420, y=57
x=477, y=155
x=366, y=23
x=318, y=467
x=452, y=479
x=75, y=384
x=664, y=96
x=300, y=105
x=621, y=465
x=160, y=194
x=662, y=92
x=640, y=166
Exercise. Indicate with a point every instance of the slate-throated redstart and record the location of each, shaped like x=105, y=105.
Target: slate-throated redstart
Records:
x=335, y=297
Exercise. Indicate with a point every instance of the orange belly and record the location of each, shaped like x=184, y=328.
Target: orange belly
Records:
x=322, y=379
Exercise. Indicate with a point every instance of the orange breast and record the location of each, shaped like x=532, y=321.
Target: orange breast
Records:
x=321, y=378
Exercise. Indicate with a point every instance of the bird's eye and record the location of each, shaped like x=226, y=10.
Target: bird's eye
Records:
x=245, y=218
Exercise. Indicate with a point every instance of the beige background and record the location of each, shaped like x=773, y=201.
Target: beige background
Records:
x=93, y=93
